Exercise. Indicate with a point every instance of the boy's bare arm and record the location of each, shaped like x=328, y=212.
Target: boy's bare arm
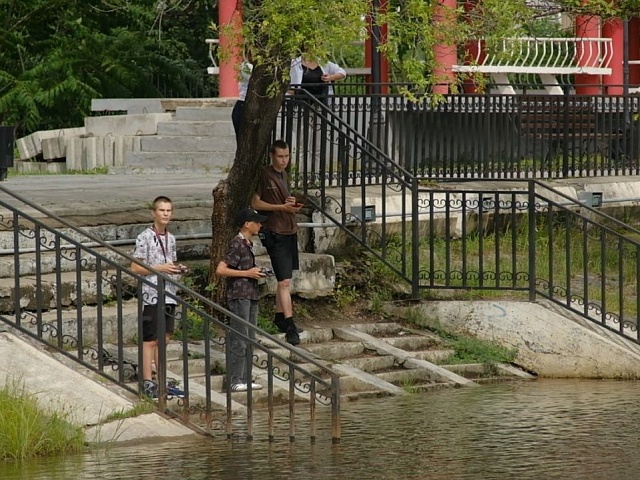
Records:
x=223, y=270
x=161, y=267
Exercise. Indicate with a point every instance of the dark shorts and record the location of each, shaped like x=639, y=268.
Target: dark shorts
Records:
x=150, y=321
x=284, y=255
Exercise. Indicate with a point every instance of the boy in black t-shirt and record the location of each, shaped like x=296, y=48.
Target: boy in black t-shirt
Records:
x=239, y=266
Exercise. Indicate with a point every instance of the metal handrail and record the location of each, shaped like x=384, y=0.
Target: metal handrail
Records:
x=212, y=315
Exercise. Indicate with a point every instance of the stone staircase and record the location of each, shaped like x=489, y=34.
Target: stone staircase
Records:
x=158, y=137
x=373, y=360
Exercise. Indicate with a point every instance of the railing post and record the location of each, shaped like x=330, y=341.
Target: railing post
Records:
x=415, y=240
x=532, y=240
x=161, y=368
x=335, y=409
x=565, y=135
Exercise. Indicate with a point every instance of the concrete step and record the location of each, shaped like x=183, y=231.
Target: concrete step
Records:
x=125, y=125
x=181, y=144
x=435, y=356
x=408, y=376
x=105, y=232
x=49, y=290
x=214, y=162
x=215, y=128
x=109, y=314
x=412, y=343
x=204, y=113
x=335, y=350
x=187, y=250
x=372, y=364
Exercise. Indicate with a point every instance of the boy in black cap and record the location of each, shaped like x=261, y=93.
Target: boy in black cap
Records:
x=239, y=266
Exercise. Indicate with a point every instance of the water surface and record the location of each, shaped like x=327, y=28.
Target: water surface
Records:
x=560, y=429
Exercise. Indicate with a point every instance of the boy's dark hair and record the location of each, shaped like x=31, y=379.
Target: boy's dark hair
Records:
x=279, y=145
x=160, y=199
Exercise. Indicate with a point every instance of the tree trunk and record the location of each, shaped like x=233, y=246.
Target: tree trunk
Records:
x=234, y=193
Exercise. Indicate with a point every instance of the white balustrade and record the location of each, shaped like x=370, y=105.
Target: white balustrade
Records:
x=553, y=56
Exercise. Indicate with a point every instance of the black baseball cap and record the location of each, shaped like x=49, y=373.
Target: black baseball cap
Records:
x=248, y=215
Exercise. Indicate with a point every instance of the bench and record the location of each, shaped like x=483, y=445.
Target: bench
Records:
x=572, y=124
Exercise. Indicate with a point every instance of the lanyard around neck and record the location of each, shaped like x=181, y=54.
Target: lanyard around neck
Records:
x=162, y=245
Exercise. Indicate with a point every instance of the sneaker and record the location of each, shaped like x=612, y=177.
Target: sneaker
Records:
x=174, y=391
x=150, y=389
x=243, y=387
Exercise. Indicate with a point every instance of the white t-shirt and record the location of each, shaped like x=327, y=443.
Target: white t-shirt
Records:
x=154, y=249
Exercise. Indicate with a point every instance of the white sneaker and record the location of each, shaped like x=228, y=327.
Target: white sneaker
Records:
x=243, y=387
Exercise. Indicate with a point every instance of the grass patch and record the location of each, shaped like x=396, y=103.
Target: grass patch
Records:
x=467, y=348
x=26, y=431
x=141, y=408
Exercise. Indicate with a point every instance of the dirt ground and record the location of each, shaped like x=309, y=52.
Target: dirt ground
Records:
x=326, y=313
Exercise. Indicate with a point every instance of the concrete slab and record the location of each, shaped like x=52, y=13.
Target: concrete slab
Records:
x=204, y=113
x=129, y=105
x=214, y=128
x=85, y=401
x=550, y=342
x=150, y=426
x=402, y=356
x=125, y=125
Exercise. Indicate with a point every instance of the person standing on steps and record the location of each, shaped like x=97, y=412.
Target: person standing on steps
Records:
x=244, y=75
x=239, y=266
x=156, y=247
x=279, y=233
x=317, y=78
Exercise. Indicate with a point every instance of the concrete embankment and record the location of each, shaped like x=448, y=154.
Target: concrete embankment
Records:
x=550, y=342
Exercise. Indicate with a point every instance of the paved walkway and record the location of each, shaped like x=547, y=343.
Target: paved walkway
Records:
x=92, y=195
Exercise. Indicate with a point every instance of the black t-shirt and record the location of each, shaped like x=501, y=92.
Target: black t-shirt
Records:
x=313, y=76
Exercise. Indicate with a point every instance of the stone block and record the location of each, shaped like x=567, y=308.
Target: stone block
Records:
x=129, y=105
x=54, y=148
x=316, y=277
x=125, y=125
x=26, y=148
x=89, y=146
x=74, y=154
x=31, y=145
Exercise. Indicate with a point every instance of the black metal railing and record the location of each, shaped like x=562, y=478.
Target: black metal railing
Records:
x=85, y=302
x=529, y=238
x=490, y=135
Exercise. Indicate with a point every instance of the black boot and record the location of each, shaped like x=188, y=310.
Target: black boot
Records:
x=282, y=325
x=291, y=335
x=280, y=322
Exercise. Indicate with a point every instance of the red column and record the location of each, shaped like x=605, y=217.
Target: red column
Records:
x=589, y=27
x=634, y=51
x=446, y=56
x=229, y=12
x=613, y=29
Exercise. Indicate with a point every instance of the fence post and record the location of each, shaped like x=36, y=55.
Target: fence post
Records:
x=6, y=151
x=532, y=240
x=415, y=240
x=565, y=135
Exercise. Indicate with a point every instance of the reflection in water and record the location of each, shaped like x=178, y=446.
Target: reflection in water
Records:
x=538, y=430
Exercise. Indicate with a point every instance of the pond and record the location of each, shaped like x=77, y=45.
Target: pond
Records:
x=548, y=429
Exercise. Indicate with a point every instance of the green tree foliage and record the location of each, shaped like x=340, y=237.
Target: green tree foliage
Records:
x=56, y=55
